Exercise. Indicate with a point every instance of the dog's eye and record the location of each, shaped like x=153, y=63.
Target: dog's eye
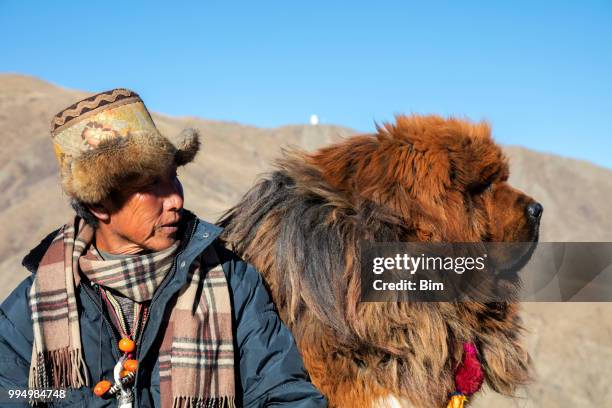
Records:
x=481, y=188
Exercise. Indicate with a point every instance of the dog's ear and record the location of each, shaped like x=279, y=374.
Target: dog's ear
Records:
x=475, y=159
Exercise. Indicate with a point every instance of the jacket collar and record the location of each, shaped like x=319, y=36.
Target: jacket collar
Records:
x=198, y=235
x=32, y=259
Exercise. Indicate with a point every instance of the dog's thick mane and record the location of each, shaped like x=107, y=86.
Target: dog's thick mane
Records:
x=303, y=235
x=307, y=233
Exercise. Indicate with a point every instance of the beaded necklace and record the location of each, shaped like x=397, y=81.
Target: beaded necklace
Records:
x=125, y=369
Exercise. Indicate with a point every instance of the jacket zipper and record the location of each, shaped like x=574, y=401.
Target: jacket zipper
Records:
x=102, y=316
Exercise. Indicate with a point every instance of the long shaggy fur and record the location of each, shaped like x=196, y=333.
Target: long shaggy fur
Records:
x=418, y=180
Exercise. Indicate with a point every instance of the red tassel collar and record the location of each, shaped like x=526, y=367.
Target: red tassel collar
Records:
x=469, y=376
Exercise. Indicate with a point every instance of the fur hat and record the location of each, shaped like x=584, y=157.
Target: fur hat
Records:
x=106, y=138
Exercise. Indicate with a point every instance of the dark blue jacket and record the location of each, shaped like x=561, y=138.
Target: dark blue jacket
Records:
x=269, y=369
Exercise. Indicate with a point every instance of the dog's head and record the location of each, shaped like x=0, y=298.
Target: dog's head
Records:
x=446, y=179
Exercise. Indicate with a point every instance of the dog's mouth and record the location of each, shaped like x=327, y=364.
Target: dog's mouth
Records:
x=520, y=258
x=517, y=256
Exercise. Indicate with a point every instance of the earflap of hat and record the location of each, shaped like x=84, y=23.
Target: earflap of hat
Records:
x=93, y=175
x=187, y=145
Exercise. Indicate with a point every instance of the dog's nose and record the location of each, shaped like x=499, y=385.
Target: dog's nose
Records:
x=534, y=210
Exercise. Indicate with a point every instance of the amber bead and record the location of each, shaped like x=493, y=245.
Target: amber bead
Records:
x=123, y=373
x=101, y=387
x=127, y=345
x=130, y=365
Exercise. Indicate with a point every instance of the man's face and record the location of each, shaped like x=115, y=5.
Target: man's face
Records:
x=149, y=214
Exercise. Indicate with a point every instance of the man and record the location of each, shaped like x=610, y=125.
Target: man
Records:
x=135, y=302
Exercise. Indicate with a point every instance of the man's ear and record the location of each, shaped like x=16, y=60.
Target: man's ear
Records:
x=100, y=211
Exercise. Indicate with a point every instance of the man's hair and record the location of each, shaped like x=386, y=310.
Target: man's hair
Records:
x=82, y=211
x=117, y=199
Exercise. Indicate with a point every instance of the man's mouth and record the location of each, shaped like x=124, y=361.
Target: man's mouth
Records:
x=169, y=228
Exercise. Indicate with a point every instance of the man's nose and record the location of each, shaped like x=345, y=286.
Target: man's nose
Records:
x=174, y=200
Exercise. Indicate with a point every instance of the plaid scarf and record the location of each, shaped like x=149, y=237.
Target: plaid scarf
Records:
x=136, y=277
x=196, y=356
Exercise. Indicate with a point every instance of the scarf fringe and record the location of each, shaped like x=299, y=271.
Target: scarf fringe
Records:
x=63, y=368
x=204, y=402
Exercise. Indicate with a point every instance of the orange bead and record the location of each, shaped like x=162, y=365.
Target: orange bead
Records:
x=127, y=345
x=130, y=365
x=101, y=387
x=123, y=373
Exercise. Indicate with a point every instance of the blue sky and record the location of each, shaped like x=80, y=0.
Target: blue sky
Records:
x=540, y=72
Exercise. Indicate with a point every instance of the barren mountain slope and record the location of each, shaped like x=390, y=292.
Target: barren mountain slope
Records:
x=571, y=343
